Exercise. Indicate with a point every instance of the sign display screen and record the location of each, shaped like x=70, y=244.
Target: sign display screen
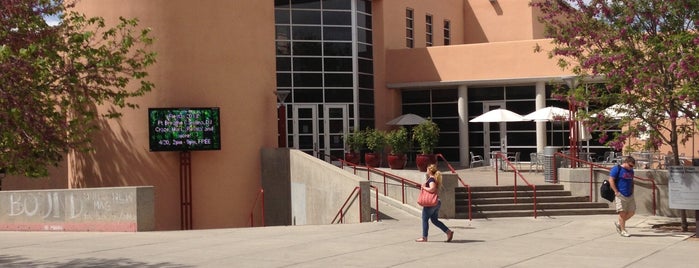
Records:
x=184, y=129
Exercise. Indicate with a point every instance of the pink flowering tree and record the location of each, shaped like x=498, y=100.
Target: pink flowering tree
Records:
x=646, y=52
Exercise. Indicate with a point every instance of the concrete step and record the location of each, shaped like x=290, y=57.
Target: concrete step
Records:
x=509, y=200
x=530, y=213
x=530, y=206
x=510, y=188
x=511, y=194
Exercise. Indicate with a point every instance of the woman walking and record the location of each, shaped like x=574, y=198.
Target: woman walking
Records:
x=432, y=184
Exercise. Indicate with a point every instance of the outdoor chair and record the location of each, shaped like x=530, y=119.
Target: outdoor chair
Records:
x=515, y=160
x=535, y=163
x=476, y=159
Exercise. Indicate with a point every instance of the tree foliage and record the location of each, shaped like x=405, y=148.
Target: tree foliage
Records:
x=52, y=77
x=647, y=54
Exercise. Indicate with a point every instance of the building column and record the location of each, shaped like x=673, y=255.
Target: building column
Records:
x=464, y=147
x=540, y=102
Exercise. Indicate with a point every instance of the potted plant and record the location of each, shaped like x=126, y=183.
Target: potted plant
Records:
x=426, y=134
x=399, y=142
x=355, y=142
x=375, y=142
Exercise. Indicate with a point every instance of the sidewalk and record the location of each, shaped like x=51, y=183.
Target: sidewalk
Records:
x=566, y=241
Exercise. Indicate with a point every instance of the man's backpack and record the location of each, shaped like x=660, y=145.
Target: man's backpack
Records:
x=606, y=190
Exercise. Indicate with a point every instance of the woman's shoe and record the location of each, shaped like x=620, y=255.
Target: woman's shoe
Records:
x=421, y=239
x=450, y=235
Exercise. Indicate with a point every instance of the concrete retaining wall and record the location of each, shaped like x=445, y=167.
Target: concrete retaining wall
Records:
x=578, y=182
x=395, y=189
x=301, y=189
x=117, y=209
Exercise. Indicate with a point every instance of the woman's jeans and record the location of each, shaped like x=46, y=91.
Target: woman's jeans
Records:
x=432, y=213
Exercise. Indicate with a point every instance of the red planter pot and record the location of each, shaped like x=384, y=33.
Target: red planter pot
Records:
x=424, y=160
x=353, y=157
x=372, y=159
x=397, y=161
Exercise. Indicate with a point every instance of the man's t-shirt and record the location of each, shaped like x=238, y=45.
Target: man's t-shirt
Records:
x=625, y=179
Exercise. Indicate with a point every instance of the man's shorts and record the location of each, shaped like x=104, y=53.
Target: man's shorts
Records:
x=624, y=203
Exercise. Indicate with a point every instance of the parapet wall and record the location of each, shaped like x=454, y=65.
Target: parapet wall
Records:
x=578, y=182
x=114, y=209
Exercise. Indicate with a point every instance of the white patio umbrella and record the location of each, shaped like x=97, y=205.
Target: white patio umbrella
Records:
x=548, y=114
x=406, y=120
x=497, y=116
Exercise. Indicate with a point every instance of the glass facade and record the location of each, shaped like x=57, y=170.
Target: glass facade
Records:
x=442, y=106
x=325, y=59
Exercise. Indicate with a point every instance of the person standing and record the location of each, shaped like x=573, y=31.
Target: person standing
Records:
x=432, y=184
x=621, y=181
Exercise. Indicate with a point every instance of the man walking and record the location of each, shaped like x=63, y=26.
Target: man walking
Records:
x=621, y=180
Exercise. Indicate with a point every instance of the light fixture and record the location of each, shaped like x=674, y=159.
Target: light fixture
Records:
x=281, y=96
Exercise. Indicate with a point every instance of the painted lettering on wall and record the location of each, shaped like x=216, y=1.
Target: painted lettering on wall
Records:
x=70, y=206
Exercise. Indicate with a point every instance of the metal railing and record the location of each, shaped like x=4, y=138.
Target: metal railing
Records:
x=341, y=213
x=516, y=173
x=592, y=167
x=468, y=187
x=260, y=196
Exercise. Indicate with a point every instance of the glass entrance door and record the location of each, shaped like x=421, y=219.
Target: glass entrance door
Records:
x=305, y=128
x=335, y=130
x=495, y=138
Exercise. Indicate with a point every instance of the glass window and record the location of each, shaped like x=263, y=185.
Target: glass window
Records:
x=308, y=80
x=416, y=96
x=307, y=48
x=339, y=95
x=281, y=3
x=366, y=66
x=445, y=95
x=338, y=64
x=447, y=32
x=486, y=93
x=366, y=81
x=338, y=80
x=283, y=79
x=428, y=30
x=364, y=6
x=366, y=111
x=365, y=51
x=337, y=33
x=281, y=16
x=283, y=48
x=308, y=64
x=308, y=95
x=366, y=96
x=418, y=109
x=282, y=32
x=283, y=64
x=337, y=49
x=305, y=4
x=409, y=28
x=364, y=36
x=364, y=21
x=337, y=4
x=337, y=18
x=447, y=109
x=447, y=124
x=306, y=32
x=305, y=17
x=520, y=92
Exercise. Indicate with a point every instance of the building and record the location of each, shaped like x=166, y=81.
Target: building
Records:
x=345, y=64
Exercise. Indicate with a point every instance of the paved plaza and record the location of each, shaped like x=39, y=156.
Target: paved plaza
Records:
x=567, y=241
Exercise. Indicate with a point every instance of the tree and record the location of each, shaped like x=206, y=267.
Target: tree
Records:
x=647, y=53
x=52, y=77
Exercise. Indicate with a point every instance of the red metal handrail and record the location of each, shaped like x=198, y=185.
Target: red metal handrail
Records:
x=592, y=167
x=468, y=187
x=341, y=213
x=261, y=193
x=516, y=173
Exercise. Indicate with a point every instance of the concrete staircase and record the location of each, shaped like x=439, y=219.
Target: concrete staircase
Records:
x=498, y=201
